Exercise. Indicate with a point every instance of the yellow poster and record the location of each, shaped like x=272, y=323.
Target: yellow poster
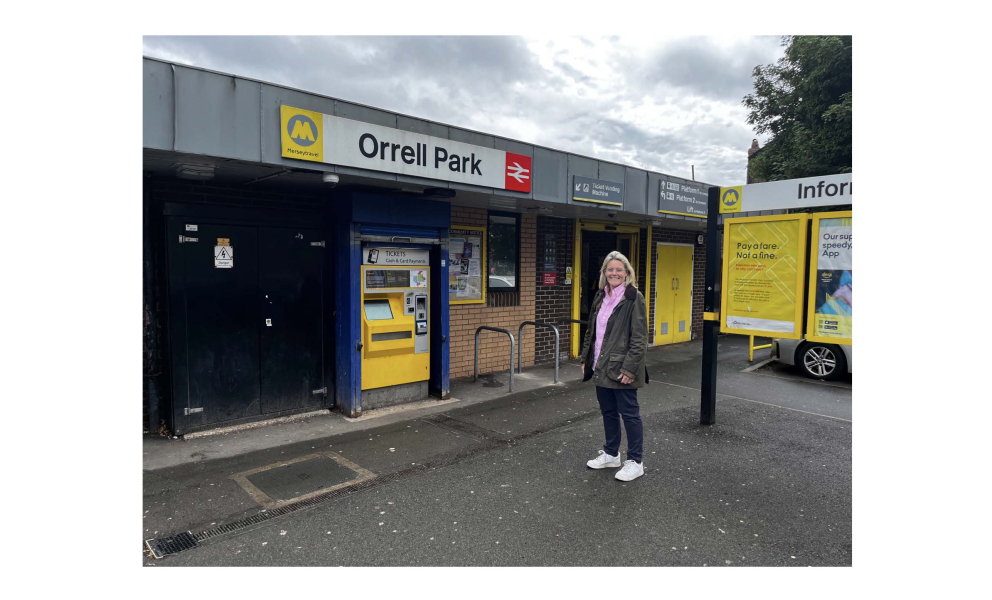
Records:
x=302, y=134
x=763, y=269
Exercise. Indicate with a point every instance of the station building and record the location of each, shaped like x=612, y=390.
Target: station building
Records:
x=303, y=252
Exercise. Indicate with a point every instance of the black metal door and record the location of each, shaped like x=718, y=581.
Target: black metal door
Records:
x=215, y=301
x=290, y=291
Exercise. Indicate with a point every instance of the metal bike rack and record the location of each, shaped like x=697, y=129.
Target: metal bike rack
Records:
x=520, y=332
x=512, y=344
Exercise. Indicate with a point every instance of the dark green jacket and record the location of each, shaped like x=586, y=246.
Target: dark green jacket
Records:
x=624, y=345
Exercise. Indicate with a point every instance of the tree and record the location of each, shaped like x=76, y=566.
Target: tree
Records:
x=804, y=102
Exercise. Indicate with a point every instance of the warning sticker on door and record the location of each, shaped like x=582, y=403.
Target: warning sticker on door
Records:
x=223, y=257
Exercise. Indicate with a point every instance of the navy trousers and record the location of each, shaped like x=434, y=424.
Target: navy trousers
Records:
x=616, y=404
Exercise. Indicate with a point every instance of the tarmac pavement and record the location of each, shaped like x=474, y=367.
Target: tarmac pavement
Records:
x=498, y=479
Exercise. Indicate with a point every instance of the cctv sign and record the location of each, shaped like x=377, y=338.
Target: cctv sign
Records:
x=324, y=138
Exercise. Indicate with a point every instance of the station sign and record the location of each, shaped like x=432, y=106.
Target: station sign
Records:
x=597, y=191
x=317, y=137
x=683, y=197
x=764, y=261
x=792, y=193
x=830, y=309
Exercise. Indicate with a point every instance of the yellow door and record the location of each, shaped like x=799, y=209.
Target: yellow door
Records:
x=683, y=293
x=664, y=308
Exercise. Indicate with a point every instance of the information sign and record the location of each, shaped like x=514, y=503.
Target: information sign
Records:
x=597, y=191
x=683, y=197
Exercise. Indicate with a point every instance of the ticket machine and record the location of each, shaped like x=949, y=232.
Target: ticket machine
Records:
x=395, y=317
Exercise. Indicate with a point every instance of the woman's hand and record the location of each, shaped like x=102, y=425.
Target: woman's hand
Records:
x=583, y=366
x=624, y=379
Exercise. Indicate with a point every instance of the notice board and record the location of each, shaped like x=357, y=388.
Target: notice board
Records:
x=466, y=273
x=764, y=260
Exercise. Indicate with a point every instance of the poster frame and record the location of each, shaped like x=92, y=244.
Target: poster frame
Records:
x=485, y=256
x=811, y=291
x=800, y=287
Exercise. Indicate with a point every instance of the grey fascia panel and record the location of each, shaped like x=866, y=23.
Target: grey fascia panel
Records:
x=550, y=176
x=217, y=115
x=635, y=191
x=611, y=172
x=422, y=127
x=583, y=167
x=654, y=190
x=471, y=137
x=158, y=106
x=272, y=98
x=356, y=112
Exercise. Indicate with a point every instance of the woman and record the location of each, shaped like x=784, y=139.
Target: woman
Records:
x=613, y=357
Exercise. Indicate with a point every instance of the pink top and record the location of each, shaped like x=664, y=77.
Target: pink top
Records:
x=610, y=302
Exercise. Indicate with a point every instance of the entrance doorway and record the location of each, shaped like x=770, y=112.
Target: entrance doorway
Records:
x=596, y=241
x=673, y=289
x=246, y=320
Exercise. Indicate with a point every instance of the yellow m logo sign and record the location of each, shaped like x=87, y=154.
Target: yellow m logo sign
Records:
x=302, y=131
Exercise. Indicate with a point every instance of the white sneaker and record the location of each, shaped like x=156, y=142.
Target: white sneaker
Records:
x=631, y=470
x=604, y=460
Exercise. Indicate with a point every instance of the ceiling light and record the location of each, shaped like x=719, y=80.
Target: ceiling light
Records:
x=194, y=171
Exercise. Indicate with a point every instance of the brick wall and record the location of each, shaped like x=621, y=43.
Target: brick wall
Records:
x=494, y=348
x=675, y=236
x=553, y=303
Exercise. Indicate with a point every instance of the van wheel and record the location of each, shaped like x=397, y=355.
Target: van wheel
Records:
x=821, y=361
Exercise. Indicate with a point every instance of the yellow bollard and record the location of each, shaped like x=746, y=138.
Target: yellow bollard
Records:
x=751, y=348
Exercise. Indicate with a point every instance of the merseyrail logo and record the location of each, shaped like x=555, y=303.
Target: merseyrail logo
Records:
x=730, y=199
x=302, y=132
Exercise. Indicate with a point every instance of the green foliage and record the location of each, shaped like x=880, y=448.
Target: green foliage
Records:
x=804, y=102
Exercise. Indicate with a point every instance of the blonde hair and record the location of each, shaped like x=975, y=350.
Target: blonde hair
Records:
x=616, y=255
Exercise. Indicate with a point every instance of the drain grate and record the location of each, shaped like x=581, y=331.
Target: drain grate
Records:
x=490, y=440
x=172, y=544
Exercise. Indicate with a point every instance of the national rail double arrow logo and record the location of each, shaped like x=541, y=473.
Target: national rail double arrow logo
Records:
x=518, y=172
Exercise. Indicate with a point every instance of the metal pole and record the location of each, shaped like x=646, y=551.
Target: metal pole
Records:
x=475, y=376
x=511, y=360
x=711, y=326
x=557, y=354
x=520, y=334
x=520, y=348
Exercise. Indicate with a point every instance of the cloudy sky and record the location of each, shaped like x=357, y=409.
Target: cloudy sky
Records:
x=659, y=104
